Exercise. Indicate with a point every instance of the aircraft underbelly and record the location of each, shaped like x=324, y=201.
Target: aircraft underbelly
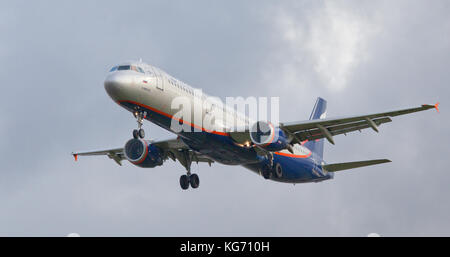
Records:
x=220, y=148
x=295, y=170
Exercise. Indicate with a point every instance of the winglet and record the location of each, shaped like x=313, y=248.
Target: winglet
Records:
x=75, y=156
x=436, y=106
x=431, y=106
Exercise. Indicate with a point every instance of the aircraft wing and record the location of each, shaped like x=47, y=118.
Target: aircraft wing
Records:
x=327, y=128
x=172, y=148
x=116, y=154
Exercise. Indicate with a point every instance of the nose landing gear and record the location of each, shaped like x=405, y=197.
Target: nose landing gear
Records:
x=138, y=133
x=140, y=116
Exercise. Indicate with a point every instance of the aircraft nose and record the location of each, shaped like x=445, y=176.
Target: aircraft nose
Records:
x=115, y=83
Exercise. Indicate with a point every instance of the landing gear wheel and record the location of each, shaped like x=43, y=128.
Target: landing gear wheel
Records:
x=266, y=173
x=278, y=171
x=141, y=133
x=194, y=180
x=135, y=134
x=270, y=157
x=184, y=182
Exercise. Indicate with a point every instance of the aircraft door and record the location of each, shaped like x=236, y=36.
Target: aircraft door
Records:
x=159, y=79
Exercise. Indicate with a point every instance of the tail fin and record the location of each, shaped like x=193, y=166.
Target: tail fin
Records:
x=319, y=112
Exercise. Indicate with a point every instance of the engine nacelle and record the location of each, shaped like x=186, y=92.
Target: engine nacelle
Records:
x=143, y=154
x=271, y=138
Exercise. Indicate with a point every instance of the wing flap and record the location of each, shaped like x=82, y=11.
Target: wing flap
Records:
x=174, y=146
x=352, y=165
x=314, y=134
x=175, y=143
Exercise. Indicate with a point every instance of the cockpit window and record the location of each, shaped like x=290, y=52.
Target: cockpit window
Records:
x=127, y=67
x=124, y=67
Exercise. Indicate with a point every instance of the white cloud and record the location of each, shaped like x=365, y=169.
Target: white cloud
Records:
x=331, y=38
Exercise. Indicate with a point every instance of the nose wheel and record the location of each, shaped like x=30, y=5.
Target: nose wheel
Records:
x=138, y=133
x=140, y=116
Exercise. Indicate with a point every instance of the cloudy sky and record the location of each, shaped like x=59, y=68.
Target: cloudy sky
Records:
x=362, y=56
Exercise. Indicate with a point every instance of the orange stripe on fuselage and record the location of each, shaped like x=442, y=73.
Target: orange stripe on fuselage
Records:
x=179, y=120
x=293, y=155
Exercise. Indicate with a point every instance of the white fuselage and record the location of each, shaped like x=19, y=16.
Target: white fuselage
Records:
x=155, y=89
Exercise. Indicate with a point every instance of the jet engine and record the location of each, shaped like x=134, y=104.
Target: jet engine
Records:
x=271, y=138
x=143, y=154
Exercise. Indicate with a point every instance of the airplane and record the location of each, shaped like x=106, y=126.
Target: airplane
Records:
x=296, y=156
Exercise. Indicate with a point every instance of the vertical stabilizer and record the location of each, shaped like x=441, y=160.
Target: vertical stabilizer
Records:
x=319, y=112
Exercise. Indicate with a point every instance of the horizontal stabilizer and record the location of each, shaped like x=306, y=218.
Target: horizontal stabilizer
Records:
x=351, y=165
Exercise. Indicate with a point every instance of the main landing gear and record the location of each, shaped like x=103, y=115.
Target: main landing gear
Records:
x=140, y=116
x=267, y=171
x=270, y=170
x=189, y=179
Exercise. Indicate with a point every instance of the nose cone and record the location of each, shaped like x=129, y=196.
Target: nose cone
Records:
x=116, y=83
